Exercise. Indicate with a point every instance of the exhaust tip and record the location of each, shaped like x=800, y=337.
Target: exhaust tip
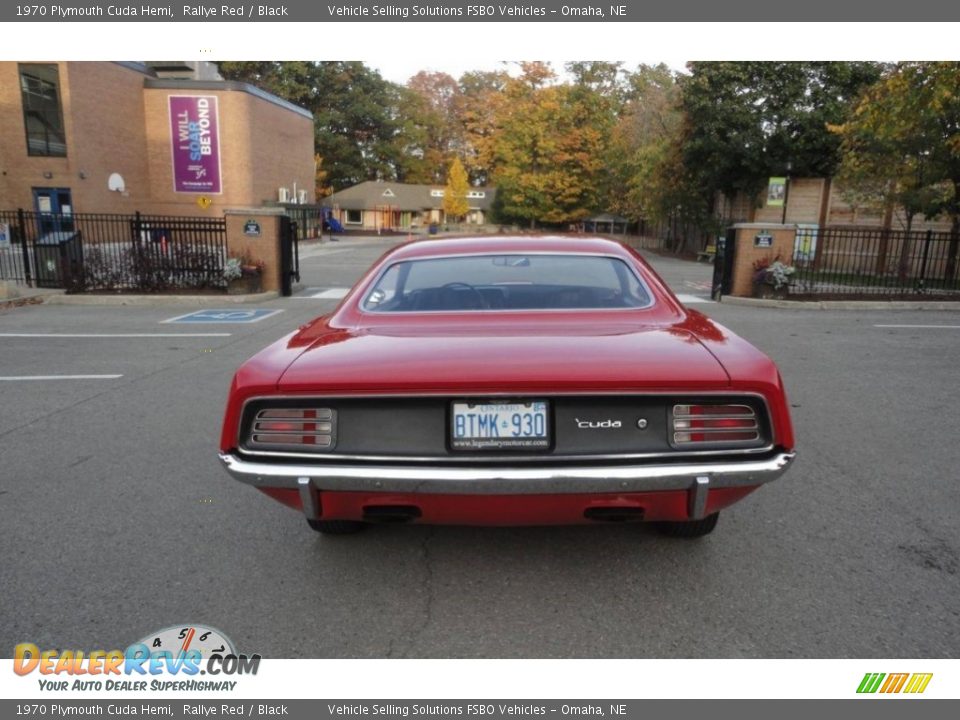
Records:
x=614, y=514
x=391, y=513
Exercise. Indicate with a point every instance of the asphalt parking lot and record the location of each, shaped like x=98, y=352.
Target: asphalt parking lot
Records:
x=118, y=521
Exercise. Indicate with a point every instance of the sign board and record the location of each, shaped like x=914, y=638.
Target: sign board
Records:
x=776, y=191
x=195, y=143
x=4, y=235
x=805, y=244
x=763, y=240
x=252, y=228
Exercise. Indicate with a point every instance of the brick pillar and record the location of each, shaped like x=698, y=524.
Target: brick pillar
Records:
x=747, y=253
x=265, y=247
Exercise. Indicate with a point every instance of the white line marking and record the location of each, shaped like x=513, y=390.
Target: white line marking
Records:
x=332, y=294
x=114, y=335
x=928, y=327
x=692, y=299
x=15, y=378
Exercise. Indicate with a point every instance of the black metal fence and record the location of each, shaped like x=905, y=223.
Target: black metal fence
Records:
x=308, y=218
x=101, y=252
x=871, y=262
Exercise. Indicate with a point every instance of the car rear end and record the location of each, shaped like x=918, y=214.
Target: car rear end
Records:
x=531, y=458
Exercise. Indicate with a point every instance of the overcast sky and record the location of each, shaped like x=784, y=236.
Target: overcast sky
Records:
x=401, y=69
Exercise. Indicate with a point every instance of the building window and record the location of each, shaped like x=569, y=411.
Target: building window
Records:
x=42, y=113
x=436, y=193
x=476, y=194
x=388, y=193
x=354, y=217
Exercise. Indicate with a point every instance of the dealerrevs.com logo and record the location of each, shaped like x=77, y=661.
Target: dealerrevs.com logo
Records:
x=910, y=683
x=170, y=659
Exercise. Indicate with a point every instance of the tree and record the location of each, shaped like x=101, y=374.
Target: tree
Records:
x=477, y=107
x=902, y=144
x=321, y=188
x=408, y=152
x=646, y=159
x=455, y=194
x=444, y=137
x=548, y=149
x=746, y=121
x=354, y=109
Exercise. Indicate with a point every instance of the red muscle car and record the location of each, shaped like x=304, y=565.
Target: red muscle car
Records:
x=509, y=381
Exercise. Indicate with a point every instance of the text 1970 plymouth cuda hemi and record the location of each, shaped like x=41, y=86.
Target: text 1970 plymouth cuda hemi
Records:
x=509, y=381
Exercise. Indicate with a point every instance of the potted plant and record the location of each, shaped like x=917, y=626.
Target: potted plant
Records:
x=243, y=274
x=772, y=279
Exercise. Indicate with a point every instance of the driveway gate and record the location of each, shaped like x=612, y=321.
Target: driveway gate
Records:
x=723, y=264
x=289, y=256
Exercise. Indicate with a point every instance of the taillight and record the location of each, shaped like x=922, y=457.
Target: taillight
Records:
x=304, y=429
x=709, y=424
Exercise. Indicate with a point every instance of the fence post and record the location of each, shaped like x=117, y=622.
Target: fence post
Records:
x=921, y=282
x=21, y=221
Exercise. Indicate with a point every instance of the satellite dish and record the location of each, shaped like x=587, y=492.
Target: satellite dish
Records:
x=115, y=182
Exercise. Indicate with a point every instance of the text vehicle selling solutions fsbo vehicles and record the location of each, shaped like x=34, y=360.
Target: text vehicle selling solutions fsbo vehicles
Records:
x=509, y=381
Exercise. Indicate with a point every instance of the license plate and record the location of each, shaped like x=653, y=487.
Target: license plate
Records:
x=500, y=426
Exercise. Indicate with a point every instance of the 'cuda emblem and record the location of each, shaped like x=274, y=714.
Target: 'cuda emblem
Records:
x=598, y=424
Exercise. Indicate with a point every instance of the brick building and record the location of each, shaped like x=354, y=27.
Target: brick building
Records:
x=821, y=202
x=122, y=137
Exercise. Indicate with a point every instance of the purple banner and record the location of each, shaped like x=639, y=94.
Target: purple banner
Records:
x=195, y=141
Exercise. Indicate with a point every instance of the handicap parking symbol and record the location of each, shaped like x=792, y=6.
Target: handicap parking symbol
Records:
x=224, y=316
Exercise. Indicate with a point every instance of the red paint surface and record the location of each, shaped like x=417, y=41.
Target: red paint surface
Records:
x=554, y=509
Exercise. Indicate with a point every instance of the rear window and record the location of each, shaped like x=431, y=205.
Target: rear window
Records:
x=507, y=282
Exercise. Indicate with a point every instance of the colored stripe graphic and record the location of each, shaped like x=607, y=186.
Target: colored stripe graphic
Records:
x=870, y=682
x=894, y=683
x=918, y=683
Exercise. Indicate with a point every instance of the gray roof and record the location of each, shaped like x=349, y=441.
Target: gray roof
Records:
x=403, y=196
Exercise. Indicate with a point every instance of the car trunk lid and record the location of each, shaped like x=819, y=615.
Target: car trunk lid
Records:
x=518, y=358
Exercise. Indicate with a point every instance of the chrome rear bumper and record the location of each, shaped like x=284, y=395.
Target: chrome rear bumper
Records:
x=508, y=481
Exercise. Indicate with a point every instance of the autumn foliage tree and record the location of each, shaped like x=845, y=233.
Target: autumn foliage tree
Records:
x=455, y=194
x=646, y=157
x=477, y=108
x=321, y=186
x=443, y=140
x=548, y=151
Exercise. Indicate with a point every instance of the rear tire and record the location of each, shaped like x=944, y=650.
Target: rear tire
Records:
x=337, y=527
x=689, y=528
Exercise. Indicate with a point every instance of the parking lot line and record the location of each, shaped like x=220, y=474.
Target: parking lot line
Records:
x=114, y=335
x=688, y=299
x=19, y=378
x=922, y=327
x=326, y=294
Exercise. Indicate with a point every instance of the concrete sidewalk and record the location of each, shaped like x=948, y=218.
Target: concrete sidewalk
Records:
x=13, y=295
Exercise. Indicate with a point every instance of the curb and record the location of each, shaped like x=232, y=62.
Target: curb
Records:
x=142, y=300
x=842, y=304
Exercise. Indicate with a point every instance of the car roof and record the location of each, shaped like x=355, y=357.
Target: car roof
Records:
x=497, y=244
